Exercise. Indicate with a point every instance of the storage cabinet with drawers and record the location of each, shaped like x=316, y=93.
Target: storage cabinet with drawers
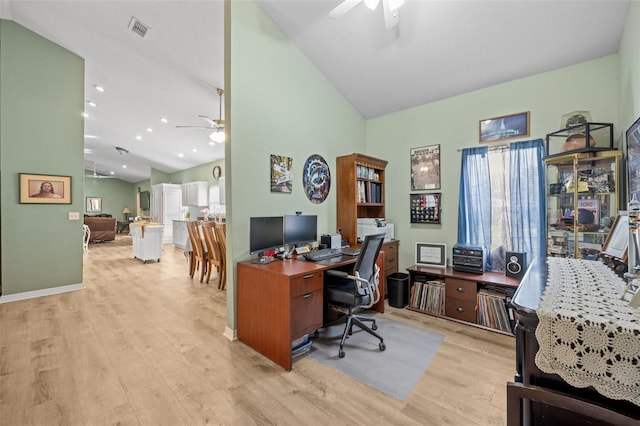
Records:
x=465, y=296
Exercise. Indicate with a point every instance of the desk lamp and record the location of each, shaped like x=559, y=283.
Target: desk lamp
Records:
x=126, y=212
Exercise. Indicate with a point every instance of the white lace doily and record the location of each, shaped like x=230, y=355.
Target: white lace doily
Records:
x=587, y=335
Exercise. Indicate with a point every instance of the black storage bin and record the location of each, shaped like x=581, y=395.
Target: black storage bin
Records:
x=398, y=289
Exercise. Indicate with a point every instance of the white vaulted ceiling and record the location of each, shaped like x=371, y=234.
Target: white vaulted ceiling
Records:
x=439, y=49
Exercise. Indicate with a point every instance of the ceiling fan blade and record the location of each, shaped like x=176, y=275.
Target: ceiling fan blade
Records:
x=208, y=119
x=391, y=17
x=343, y=8
x=197, y=127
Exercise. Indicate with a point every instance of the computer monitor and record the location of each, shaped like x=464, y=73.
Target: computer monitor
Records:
x=265, y=233
x=300, y=229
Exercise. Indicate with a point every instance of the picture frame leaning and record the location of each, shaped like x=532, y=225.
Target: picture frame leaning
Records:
x=431, y=254
x=44, y=189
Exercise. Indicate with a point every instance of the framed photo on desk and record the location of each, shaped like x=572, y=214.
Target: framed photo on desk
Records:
x=431, y=254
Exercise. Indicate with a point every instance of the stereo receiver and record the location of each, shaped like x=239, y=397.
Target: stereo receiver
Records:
x=468, y=259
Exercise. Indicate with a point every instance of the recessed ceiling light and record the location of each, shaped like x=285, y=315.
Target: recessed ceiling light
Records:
x=149, y=129
x=93, y=104
x=124, y=166
x=85, y=115
x=164, y=119
x=88, y=151
x=90, y=137
x=181, y=155
x=112, y=172
x=212, y=143
x=194, y=149
x=139, y=137
x=99, y=88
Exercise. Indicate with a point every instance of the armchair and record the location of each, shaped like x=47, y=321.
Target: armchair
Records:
x=351, y=293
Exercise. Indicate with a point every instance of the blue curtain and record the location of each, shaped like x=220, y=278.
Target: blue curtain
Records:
x=474, y=206
x=528, y=203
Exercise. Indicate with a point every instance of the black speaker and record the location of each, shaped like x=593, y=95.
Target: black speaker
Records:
x=515, y=264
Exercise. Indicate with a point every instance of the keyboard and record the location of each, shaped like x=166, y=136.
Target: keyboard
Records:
x=322, y=254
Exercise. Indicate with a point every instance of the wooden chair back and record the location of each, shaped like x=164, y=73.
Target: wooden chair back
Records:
x=221, y=237
x=214, y=257
x=199, y=259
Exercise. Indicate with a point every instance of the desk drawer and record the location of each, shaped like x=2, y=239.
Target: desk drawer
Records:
x=390, y=250
x=460, y=289
x=460, y=309
x=306, y=313
x=306, y=283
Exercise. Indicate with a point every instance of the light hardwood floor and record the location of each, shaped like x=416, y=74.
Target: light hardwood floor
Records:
x=142, y=344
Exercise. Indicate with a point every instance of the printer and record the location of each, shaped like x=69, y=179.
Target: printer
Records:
x=369, y=226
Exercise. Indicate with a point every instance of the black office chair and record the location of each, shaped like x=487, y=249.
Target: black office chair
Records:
x=350, y=293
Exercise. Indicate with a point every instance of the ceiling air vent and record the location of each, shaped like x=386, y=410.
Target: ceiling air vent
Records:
x=137, y=27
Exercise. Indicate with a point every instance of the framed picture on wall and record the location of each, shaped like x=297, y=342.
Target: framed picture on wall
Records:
x=44, y=189
x=425, y=168
x=281, y=179
x=505, y=127
x=633, y=160
x=425, y=208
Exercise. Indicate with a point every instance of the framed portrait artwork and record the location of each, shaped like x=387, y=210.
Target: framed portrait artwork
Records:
x=505, y=127
x=425, y=168
x=431, y=254
x=44, y=189
x=633, y=160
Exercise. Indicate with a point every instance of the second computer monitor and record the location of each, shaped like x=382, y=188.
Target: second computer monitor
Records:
x=300, y=229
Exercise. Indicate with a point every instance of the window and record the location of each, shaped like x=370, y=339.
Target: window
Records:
x=502, y=200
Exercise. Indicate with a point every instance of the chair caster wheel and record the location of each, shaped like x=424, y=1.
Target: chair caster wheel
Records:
x=382, y=346
x=341, y=353
x=374, y=326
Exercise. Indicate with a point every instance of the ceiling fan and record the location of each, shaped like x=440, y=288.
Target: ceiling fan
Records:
x=390, y=8
x=95, y=175
x=217, y=125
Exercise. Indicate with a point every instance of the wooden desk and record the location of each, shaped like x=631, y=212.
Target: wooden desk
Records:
x=283, y=300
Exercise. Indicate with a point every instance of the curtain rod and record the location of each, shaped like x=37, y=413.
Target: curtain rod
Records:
x=502, y=146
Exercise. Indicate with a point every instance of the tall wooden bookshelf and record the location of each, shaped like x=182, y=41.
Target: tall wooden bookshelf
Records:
x=360, y=192
x=360, y=181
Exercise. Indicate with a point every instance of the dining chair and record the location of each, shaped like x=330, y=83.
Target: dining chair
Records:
x=214, y=258
x=221, y=237
x=199, y=261
x=86, y=236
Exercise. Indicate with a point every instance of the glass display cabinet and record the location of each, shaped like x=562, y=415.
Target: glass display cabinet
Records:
x=583, y=199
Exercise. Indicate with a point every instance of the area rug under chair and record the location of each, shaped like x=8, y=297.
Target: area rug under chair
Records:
x=394, y=371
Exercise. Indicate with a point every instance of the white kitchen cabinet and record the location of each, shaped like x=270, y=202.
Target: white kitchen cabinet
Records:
x=195, y=194
x=180, y=233
x=166, y=204
x=147, y=240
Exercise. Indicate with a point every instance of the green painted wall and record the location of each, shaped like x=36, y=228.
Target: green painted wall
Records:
x=201, y=173
x=629, y=81
x=41, y=131
x=279, y=104
x=453, y=124
x=116, y=195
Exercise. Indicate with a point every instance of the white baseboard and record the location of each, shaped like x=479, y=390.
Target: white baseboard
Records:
x=39, y=293
x=230, y=334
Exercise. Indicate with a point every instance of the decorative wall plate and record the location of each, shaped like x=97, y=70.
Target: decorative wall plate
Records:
x=316, y=179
